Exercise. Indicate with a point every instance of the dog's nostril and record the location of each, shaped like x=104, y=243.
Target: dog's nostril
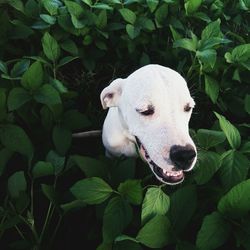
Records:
x=182, y=156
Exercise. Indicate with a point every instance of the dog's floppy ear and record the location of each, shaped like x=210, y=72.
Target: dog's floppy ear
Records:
x=111, y=94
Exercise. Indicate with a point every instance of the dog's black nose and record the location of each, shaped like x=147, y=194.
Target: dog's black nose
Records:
x=182, y=156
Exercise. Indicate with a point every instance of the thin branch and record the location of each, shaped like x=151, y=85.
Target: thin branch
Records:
x=86, y=134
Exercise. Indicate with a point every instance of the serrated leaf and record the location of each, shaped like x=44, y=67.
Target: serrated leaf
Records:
x=155, y=233
x=236, y=203
x=213, y=233
x=11, y=134
x=91, y=190
x=50, y=47
x=132, y=190
x=33, y=77
x=234, y=168
x=155, y=202
x=17, y=184
x=117, y=215
x=231, y=132
x=17, y=97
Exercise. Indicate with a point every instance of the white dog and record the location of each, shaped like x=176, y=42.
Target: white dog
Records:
x=150, y=110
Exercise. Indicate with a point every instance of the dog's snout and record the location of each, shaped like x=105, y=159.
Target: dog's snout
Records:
x=182, y=156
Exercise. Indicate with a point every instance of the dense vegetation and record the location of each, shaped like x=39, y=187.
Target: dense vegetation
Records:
x=55, y=58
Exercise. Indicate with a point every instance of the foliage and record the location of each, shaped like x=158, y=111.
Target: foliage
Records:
x=57, y=193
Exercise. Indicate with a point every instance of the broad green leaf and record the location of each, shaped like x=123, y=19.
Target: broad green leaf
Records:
x=207, y=138
x=76, y=204
x=5, y=155
x=160, y=15
x=66, y=60
x=102, y=6
x=20, y=67
x=132, y=190
x=56, y=160
x=88, y=2
x=17, y=4
x=128, y=15
x=236, y=203
x=42, y=168
x=207, y=165
x=234, y=168
x=239, y=54
x=17, y=184
x=70, y=46
x=91, y=190
x=3, y=67
x=51, y=6
x=101, y=21
x=183, y=203
x=152, y=4
x=11, y=134
x=211, y=43
x=132, y=31
x=74, y=8
x=186, y=43
x=212, y=88
x=155, y=233
x=212, y=30
x=191, y=6
x=247, y=103
x=231, y=132
x=50, y=47
x=155, y=202
x=245, y=149
x=214, y=232
x=17, y=97
x=49, y=192
x=48, y=19
x=62, y=138
x=207, y=57
x=47, y=95
x=117, y=215
x=90, y=166
x=33, y=77
x=59, y=86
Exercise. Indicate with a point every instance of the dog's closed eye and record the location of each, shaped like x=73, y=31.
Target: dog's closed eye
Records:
x=146, y=112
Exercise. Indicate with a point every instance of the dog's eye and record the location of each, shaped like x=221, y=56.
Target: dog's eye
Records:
x=187, y=108
x=149, y=111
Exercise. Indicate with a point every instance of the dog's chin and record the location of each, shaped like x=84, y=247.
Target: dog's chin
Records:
x=170, y=177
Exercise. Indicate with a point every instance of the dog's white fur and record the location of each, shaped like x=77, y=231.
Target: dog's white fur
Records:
x=151, y=85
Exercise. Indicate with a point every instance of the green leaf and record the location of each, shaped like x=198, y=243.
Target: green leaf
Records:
x=91, y=190
x=181, y=207
x=207, y=138
x=211, y=88
x=59, y=86
x=11, y=134
x=211, y=43
x=236, y=203
x=47, y=95
x=17, y=4
x=212, y=30
x=231, y=132
x=102, y=6
x=101, y=21
x=185, y=43
x=132, y=31
x=5, y=155
x=192, y=6
x=48, y=19
x=239, y=54
x=161, y=15
x=56, y=160
x=42, y=168
x=20, y=67
x=128, y=15
x=214, y=232
x=50, y=47
x=17, y=184
x=117, y=215
x=62, y=138
x=66, y=60
x=33, y=77
x=3, y=67
x=207, y=57
x=49, y=192
x=207, y=165
x=17, y=97
x=90, y=166
x=155, y=233
x=152, y=4
x=70, y=46
x=247, y=103
x=155, y=202
x=51, y=6
x=234, y=168
x=74, y=8
x=132, y=190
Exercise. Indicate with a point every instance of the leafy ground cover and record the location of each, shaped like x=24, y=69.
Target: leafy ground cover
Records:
x=62, y=193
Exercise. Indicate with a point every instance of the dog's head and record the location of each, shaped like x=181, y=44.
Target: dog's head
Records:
x=155, y=106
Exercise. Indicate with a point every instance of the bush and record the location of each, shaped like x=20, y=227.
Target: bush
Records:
x=56, y=57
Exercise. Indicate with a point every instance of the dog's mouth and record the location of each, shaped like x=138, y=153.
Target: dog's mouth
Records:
x=171, y=177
